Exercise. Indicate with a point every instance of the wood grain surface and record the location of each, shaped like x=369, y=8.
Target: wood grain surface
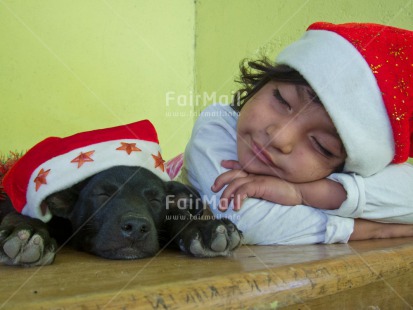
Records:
x=360, y=275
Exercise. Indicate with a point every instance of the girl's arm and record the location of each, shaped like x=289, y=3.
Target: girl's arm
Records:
x=364, y=230
x=321, y=194
x=383, y=197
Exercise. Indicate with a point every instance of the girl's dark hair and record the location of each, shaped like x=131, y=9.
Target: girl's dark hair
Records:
x=256, y=73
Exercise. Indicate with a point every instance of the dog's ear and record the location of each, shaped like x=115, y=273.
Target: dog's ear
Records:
x=62, y=203
x=184, y=197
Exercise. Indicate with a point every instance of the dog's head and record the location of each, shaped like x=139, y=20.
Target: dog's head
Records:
x=119, y=212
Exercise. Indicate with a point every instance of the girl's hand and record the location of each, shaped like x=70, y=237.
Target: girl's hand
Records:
x=231, y=164
x=242, y=185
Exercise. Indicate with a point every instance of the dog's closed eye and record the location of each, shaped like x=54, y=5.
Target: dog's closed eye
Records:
x=103, y=197
x=153, y=196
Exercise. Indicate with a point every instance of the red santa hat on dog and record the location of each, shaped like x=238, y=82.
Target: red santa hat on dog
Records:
x=363, y=75
x=59, y=163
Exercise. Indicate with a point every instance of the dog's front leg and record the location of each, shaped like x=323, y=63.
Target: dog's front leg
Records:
x=202, y=236
x=25, y=241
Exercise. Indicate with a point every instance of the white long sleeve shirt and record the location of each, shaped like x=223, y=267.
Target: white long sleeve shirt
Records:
x=383, y=197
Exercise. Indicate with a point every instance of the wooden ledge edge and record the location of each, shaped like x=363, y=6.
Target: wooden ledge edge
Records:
x=267, y=288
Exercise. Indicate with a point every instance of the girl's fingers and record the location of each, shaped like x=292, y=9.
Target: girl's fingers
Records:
x=229, y=194
x=245, y=190
x=231, y=164
x=226, y=178
x=239, y=198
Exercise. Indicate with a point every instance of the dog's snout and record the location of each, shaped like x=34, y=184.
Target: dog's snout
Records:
x=135, y=227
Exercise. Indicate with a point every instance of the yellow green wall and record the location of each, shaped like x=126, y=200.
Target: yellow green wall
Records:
x=75, y=65
x=70, y=66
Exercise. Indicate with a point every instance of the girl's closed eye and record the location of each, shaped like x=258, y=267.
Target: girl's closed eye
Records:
x=321, y=148
x=280, y=99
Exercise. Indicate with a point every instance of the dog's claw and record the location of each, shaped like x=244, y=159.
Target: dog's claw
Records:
x=25, y=248
x=23, y=235
x=48, y=258
x=23, y=251
x=196, y=248
x=219, y=244
x=236, y=240
x=224, y=238
x=33, y=250
x=12, y=247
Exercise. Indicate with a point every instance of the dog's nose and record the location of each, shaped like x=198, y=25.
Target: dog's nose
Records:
x=135, y=227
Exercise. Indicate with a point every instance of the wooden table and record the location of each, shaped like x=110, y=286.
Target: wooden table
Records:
x=360, y=275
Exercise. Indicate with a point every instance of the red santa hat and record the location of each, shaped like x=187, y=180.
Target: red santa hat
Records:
x=58, y=163
x=363, y=75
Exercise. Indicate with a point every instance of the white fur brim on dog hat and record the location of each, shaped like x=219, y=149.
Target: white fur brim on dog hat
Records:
x=55, y=163
x=363, y=75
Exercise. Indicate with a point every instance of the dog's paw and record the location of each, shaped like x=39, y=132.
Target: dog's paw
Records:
x=210, y=238
x=24, y=246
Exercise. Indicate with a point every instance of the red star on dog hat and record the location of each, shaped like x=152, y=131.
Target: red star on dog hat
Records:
x=363, y=75
x=56, y=163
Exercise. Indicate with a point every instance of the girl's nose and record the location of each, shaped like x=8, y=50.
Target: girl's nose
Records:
x=282, y=138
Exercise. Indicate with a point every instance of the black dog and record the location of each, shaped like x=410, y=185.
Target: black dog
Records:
x=120, y=213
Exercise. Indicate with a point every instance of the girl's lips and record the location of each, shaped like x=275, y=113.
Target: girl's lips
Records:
x=261, y=154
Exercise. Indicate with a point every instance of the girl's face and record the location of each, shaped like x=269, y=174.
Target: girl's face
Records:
x=281, y=132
